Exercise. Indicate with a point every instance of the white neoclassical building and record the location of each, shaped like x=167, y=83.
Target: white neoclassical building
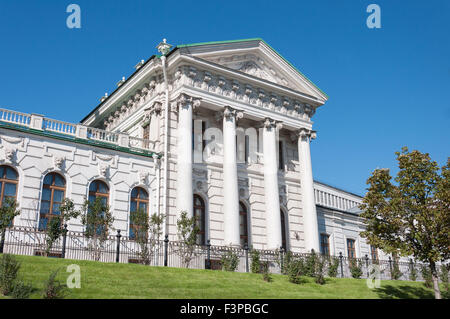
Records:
x=221, y=130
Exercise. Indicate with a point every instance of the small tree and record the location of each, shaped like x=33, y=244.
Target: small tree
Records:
x=395, y=271
x=8, y=211
x=9, y=269
x=53, y=289
x=147, y=230
x=333, y=265
x=229, y=261
x=97, y=219
x=255, y=258
x=444, y=276
x=355, y=268
x=412, y=217
x=55, y=226
x=412, y=271
x=187, y=235
x=426, y=275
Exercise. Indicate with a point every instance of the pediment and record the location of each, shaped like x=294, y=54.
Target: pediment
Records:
x=255, y=58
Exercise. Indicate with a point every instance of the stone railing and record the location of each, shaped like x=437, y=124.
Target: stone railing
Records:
x=41, y=123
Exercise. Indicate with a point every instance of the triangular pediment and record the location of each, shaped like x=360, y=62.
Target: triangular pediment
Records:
x=256, y=58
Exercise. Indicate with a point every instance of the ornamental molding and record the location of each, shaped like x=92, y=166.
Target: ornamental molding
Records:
x=14, y=140
x=9, y=155
x=270, y=124
x=58, y=162
x=229, y=114
x=152, y=88
x=217, y=84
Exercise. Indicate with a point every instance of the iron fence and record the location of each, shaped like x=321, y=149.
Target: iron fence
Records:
x=118, y=248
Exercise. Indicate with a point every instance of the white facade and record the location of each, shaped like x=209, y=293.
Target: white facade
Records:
x=200, y=103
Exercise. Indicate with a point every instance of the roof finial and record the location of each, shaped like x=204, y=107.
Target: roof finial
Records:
x=163, y=47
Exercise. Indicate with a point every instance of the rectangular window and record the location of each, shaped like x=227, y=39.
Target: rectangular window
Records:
x=374, y=253
x=325, y=244
x=351, y=252
x=280, y=156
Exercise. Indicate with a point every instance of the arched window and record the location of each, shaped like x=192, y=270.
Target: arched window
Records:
x=283, y=231
x=8, y=183
x=99, y=189
x=138, y=205
x=200, y=220
x=243, y=224
x=53, y=191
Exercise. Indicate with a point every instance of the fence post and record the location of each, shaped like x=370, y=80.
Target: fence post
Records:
x=342, y=267
x=64, y=233
x=281, y=259
x=390, y=266
x=246, y=257
x=367, y=265
x=118, y=246
x=2, y=240
x=208, y=255
x=166, y=246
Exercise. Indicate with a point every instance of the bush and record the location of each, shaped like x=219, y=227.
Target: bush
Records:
x=443, y=275
x=53, y=289
x=355, y=268
x=333, y=265
x=266, y=272
x=310, y=264
x=412, y=271
x=319, y=277
x=21, y=290
x=229, y=261
x=426, y=274
x=9, y=267
x=295, y=269
x=255, y=261
x=395, y=272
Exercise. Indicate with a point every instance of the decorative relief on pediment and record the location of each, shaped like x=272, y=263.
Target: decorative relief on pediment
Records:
x=246, y=93
x=8, y=155
x=252, y=65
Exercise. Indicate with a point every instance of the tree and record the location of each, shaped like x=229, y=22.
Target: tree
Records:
x=147, y=230
x=55, y=226
x=187, y=235
x=8, y=211
x=97, y=220
x=412, y=216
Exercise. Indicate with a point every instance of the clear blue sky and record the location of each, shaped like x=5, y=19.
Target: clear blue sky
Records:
x=388, y=87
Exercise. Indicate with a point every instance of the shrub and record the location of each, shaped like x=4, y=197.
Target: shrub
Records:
x=443, y=275
x=295, y=270
x=9, y=267
x=255, y=261
x=426, y=274
x=395, y=271
x=266, y=272
x=53, y=289
x=355, y=268
x=412, y=271
x=229, y=261
x=319, y=277
x=310, y=264
x=333, y=265
x=21, y=290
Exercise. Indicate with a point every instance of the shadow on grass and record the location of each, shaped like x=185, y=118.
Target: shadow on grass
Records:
x=387, y=291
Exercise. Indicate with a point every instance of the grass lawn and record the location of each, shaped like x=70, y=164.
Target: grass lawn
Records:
x=111, y=280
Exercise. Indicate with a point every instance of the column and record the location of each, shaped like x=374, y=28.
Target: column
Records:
x=272, y=198
x=185, y=105
x=230, y=178
x=311, y=231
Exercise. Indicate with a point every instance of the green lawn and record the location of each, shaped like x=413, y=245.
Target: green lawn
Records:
x=111, y=280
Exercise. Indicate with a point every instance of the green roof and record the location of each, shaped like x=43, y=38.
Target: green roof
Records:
x=252, y=39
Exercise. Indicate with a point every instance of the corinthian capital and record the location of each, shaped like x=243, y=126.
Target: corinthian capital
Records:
x=230, y=113
x=304, y=133
x=269, y=124
x=184, y=101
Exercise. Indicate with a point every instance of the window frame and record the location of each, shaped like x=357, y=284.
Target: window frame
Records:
x=138, y=200
x=322, y=244
x=351, y=249
x=4, y=180
x=49, y=216
x=243, y=212
x=202, y=232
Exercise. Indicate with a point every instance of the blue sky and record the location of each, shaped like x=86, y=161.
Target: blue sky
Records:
x=387, y=86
